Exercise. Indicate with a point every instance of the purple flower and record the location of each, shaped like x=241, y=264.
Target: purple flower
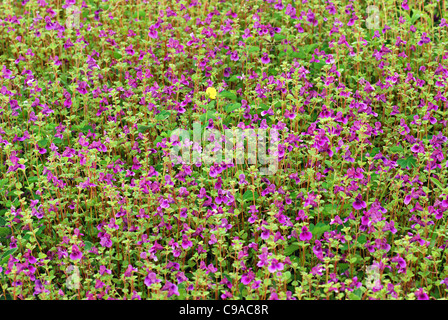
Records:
x=186, y=243
x=243, y=179
x=246, y=34
x=151, y=278
x=274, y=296
x=129, y=50
x=68, y=3
x=421, y=295
x=444, y=281
x=311, y=18
x=424, y=39
x=265, y=234
x=253, y=209
x=234, y=56
x=13, y=243
x=390, y=227
x=317, y=270
x=275, y=265
x=359, y=203
x=153, y=33
x=247, y=278
x=171, y=288
x=443, y=23
x=136, y=164
x=226, y=295
x=183, y=213
x=401, y=263
x=82, y=87
x=227, y=72
x=76, y=253
x=7, y=74
x=301, y=215
x=41, y=150
x=164, y=203
x=105, y=241
x=265, y=58
x=404, y=5
x=305, y=235
x=337, y=220
x=213, y=172
x=129, y=270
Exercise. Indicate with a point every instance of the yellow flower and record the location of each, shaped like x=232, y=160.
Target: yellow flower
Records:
x=211, y=92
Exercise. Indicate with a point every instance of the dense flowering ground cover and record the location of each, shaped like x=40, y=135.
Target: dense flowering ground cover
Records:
x=92, y=206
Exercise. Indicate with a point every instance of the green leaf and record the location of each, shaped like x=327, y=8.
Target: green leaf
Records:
x=408, y=162
x=354, y=296
x=416, y=14
x=117, y=55
x=228, y=94
x=318, y=66
x=436, y=182
x=253, y=49
x=163, y=115
x=42, y=143
x=5, y=256
x=58, y=141
x=362, y=239
x=143, y=129
x=3, y=182
x=319, y=228
x=330, y=210
x=249, y=195
x=208, y=115
x=287, y=275
x=232, y=106
x=374, y=152
x=88, y=245
x=263, y=107
x=272, y=71
x=298, y=54
x=233, y=78
x=396, y=149
x=279, y=36
x=291, y=249
x=182, y=292
x=27, y=236
x=86, y=129
x=33, y=179
x=4, y=231
x=211, y=105
x=310, y=47
x=40, y=230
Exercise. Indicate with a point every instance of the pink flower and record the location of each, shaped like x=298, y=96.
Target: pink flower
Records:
x=305, y=235
x=234, y=56
x=265, y=58
x=421, y=295
x=359, y=203
x=404, y=5
x=275, y=265
x=76, y=253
